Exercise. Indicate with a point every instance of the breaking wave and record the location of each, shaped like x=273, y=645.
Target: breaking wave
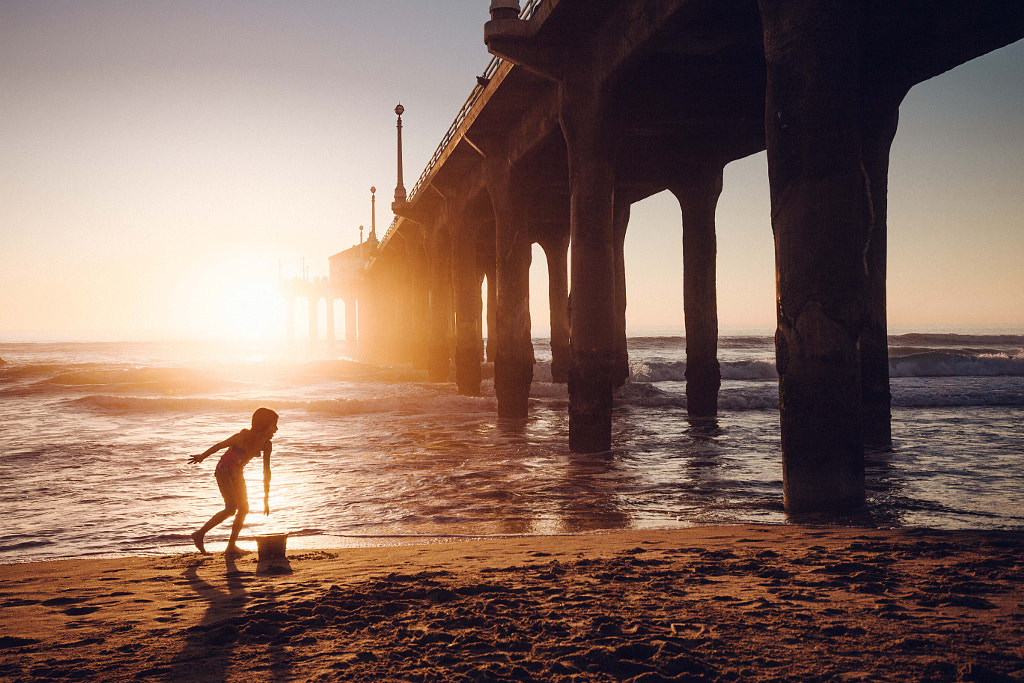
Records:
x=331, y=406
x=930, y=363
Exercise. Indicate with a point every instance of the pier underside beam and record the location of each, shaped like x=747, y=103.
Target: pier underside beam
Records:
x=819, y=204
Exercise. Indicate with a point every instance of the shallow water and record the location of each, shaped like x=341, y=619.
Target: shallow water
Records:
x=96, y=438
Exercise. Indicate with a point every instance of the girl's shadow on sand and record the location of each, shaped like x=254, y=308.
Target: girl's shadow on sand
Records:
x=206, y=653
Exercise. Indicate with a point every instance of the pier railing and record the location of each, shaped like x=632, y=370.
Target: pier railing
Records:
x=478, y=90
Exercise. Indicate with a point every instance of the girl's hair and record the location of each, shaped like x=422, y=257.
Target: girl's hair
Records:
x=263, y=417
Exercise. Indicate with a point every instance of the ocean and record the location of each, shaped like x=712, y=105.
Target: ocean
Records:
x=96, y=436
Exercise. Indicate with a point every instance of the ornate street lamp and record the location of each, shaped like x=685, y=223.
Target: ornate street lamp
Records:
x=400, y=188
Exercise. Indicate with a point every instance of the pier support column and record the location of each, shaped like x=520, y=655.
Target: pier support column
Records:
x=394, y=309
x=620, y=368
x=314, y=318
x=397, y=330
x=818, y=200
x=361, y=310
x=351, y=321
x=290, y=322
x=878, y=128
x=415, y=318
x=330, y=320
x=490, y=274
x=467, y=281
x=441, y=312
x=370, y=315
x=592, y=304
x=556, y=252
x=513, y=353
x=697, y=190
x=406, y=334
x=388, y=301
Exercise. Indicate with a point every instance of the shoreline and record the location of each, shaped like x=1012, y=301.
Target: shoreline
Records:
x=719, y=603
x=298, y=543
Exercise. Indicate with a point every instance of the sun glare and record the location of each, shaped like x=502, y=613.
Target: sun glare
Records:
x=236, y=298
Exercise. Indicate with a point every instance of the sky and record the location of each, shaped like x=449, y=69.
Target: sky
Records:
x=162, y=160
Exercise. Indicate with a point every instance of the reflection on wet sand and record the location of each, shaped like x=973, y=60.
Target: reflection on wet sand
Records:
x=588, y=503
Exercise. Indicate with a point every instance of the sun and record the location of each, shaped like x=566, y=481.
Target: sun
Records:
x=235, y=298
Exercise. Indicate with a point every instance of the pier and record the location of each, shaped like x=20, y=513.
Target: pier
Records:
x=588, y=107
x=345, y=281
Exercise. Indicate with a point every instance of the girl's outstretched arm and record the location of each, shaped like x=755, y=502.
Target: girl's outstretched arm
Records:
x=211, y=450
x=266, y=477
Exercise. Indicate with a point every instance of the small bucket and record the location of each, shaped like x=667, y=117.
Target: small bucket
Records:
x=272, y=546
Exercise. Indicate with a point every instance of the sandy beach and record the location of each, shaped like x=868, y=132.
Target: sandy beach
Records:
x=734, y=603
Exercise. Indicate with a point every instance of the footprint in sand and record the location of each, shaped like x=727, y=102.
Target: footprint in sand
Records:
x=18, y=602
x=59, y=602
x=79, y=611
x=16, y=641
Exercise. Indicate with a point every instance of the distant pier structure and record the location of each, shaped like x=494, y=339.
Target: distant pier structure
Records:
x=345, y=281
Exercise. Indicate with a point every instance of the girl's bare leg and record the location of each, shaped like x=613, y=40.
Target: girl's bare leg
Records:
x=229, y=489
x=197, y=537
x=236, y=527
x=241, y=499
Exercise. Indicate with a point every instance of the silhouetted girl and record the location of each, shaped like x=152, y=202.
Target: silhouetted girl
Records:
x=241, y=448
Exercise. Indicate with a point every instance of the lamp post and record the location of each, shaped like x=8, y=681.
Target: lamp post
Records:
x=400, y=188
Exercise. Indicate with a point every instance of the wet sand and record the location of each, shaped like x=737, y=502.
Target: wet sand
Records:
x=735, y=603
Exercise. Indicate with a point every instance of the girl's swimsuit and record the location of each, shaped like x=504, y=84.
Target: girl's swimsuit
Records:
x=233, y=460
